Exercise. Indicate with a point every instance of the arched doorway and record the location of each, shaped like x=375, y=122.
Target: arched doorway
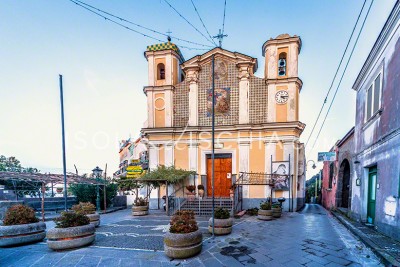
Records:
x=345, y=179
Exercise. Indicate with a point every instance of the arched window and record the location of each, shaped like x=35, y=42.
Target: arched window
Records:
x=160, y=71
x=282, y=64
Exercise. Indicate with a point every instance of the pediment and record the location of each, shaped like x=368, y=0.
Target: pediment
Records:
x=235, y=57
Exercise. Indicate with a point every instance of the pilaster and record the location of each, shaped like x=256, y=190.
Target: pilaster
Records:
x=244, y=156
x=244, y=75
x=192, y=78
x=169, y=154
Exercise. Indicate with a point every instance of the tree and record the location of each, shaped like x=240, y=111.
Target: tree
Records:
x=87, y=192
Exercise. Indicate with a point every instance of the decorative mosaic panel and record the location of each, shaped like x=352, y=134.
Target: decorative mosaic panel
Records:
x=228, y=74
x=222, y=100
x=258, y=100
x=181, y=104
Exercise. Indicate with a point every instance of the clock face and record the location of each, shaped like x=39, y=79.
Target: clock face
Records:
x=281, y=97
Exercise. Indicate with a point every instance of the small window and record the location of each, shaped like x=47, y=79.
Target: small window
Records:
x=331, y=171
x=282, y=64
x=373, y=101
x=160, y=71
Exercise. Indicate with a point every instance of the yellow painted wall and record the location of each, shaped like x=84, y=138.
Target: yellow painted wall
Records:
x=181, y=156
x=161, y=155
x=281, y=109
x=257, y=164
x=279, y=151
x=159, y=113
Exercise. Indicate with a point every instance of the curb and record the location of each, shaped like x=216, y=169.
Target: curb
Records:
x=387, y=259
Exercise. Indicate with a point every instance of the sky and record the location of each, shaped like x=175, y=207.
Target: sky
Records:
x=104, y=69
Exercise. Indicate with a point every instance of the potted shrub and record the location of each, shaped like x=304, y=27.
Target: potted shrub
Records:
x=200, y=188
x=20, y=226
x=191, y=194
x=222, y=222
x=276, y=211
x=88, y=209
x=73, y=230
x=59, y=190
x=184, y=238
x=265, y=211
x=140, y=207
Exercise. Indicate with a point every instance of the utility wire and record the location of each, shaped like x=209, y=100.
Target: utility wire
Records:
x=140, y=26
x=177, y=12
x=209, y=35
x=130, y=29
x=344, y=71
x=223, y=21
x=334, y=77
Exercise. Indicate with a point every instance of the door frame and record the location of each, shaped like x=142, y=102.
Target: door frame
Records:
x=219, y=155
x=371, y=209
x=203, y=169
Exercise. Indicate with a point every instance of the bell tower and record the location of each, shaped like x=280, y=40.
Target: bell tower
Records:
x=281, y=75
x=163, y=73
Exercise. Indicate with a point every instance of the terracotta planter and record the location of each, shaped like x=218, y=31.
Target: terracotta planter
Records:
x=181, y=246
x=265, y=215
x=12, y=235
x=94, y=219
x=276, y=212
x=221, y=226
x=72, y=237
x=140, y=210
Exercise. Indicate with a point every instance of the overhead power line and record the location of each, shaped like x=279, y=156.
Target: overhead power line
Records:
x=334, y=77
x=209, y=35
x=344, y=72
x=223, y=20
x=130, y=29
x=140, y=26
x=177, y=12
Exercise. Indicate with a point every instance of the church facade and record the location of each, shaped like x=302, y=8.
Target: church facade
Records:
x=257, y=127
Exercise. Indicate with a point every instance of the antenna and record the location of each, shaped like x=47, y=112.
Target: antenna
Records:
x=220, y=37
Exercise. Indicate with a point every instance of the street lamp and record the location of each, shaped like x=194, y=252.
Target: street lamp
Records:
x=313, y=166
x=97, y=173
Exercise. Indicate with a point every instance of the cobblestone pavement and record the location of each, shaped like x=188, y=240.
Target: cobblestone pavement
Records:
x=309, y=238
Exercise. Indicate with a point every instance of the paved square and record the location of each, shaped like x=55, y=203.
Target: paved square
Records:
x=309, y=238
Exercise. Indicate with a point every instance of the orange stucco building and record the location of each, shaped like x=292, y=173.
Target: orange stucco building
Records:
x=256, y=119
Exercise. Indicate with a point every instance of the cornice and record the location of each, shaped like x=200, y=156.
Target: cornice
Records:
x=161, y=88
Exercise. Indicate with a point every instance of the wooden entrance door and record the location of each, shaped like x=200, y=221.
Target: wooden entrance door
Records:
x=222, y=169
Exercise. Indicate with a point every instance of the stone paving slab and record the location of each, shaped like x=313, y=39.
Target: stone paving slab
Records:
x=309, y=238
x=386, y=248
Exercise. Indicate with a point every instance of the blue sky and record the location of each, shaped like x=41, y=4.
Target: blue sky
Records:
x=105, y=71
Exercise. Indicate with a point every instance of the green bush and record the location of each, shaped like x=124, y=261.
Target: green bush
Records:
x=183, y=222
x=265, y=205
x=71, y=219
x=140, y=202
x=84, y=208
x=200, y=187
x=252, y=212
x=20, y=214
x=221, y=213
x=87, y=193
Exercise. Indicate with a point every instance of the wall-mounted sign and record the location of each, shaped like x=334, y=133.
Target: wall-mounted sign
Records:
x=326, y=156
x=134, y=170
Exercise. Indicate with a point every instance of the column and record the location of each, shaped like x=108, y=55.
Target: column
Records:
x=153, y=156
x=169, y=154
x=192, y=78
x=244, y=155
x=244, y=75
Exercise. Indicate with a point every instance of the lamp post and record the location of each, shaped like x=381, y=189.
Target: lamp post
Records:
x=97, y=172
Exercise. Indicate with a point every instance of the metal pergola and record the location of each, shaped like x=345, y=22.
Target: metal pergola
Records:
x=43, y=179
